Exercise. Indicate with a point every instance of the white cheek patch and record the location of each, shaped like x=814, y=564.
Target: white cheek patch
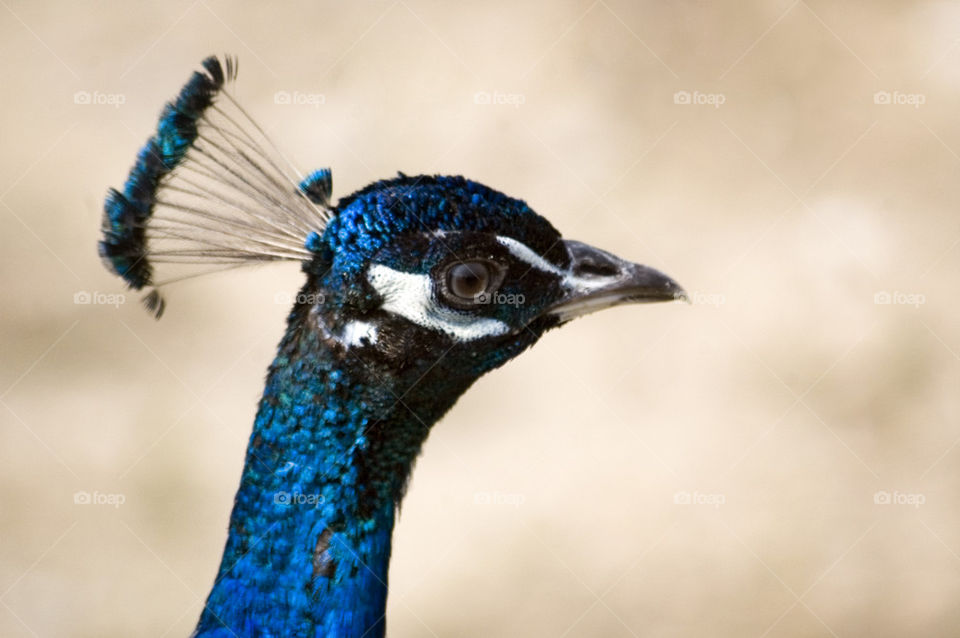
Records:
x=567, y=279
x=410, y=295
x=355, y=333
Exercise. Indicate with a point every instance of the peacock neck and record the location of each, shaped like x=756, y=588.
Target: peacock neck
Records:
x=309, y=538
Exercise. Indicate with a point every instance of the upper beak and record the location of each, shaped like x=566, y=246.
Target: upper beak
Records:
x=598, y=280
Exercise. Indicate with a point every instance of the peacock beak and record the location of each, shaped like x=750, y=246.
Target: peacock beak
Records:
x=597, y=280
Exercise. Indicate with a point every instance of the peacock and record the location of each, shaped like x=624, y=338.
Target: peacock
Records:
x=415, y=287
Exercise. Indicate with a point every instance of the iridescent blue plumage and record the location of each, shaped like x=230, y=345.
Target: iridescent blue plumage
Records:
x=318, y=186
x=126, y=213
x=307, y=554
x=415, y=287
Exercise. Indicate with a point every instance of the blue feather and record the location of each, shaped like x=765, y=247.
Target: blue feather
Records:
x=123, y=246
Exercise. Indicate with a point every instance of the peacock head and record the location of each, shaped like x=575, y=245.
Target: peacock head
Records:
x=414, y=268
x=413, y=275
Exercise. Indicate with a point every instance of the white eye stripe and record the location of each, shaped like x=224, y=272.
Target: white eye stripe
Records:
x=525, y=253
x=567, y=279
x=410, y=295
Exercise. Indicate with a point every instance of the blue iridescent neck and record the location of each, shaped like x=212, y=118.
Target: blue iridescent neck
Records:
x=329, y=457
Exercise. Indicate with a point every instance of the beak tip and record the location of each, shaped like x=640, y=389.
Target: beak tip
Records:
x=675, y=289
x=666, y=289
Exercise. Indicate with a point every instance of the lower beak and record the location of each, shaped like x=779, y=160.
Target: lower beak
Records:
x=599, y=280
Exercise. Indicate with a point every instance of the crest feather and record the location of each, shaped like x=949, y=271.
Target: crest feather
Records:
x=209, y=191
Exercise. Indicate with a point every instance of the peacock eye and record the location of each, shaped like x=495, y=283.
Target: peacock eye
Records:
x=467, y=280
x=466, y=283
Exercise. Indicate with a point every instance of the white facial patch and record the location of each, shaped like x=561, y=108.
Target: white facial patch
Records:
x=355, y=333
x=410, y=295
x=568, y=279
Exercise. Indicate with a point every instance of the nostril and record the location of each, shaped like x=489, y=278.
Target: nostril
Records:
x=587, y=261
x=595, y=268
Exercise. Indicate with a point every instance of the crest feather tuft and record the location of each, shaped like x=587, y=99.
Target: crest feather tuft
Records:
x=209, y=190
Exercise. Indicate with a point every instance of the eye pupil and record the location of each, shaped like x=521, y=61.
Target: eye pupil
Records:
x=469, y=279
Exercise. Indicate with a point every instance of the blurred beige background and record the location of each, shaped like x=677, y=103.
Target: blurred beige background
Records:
x=778, y=459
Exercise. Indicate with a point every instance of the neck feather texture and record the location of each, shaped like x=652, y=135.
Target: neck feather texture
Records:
x=331, y=450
